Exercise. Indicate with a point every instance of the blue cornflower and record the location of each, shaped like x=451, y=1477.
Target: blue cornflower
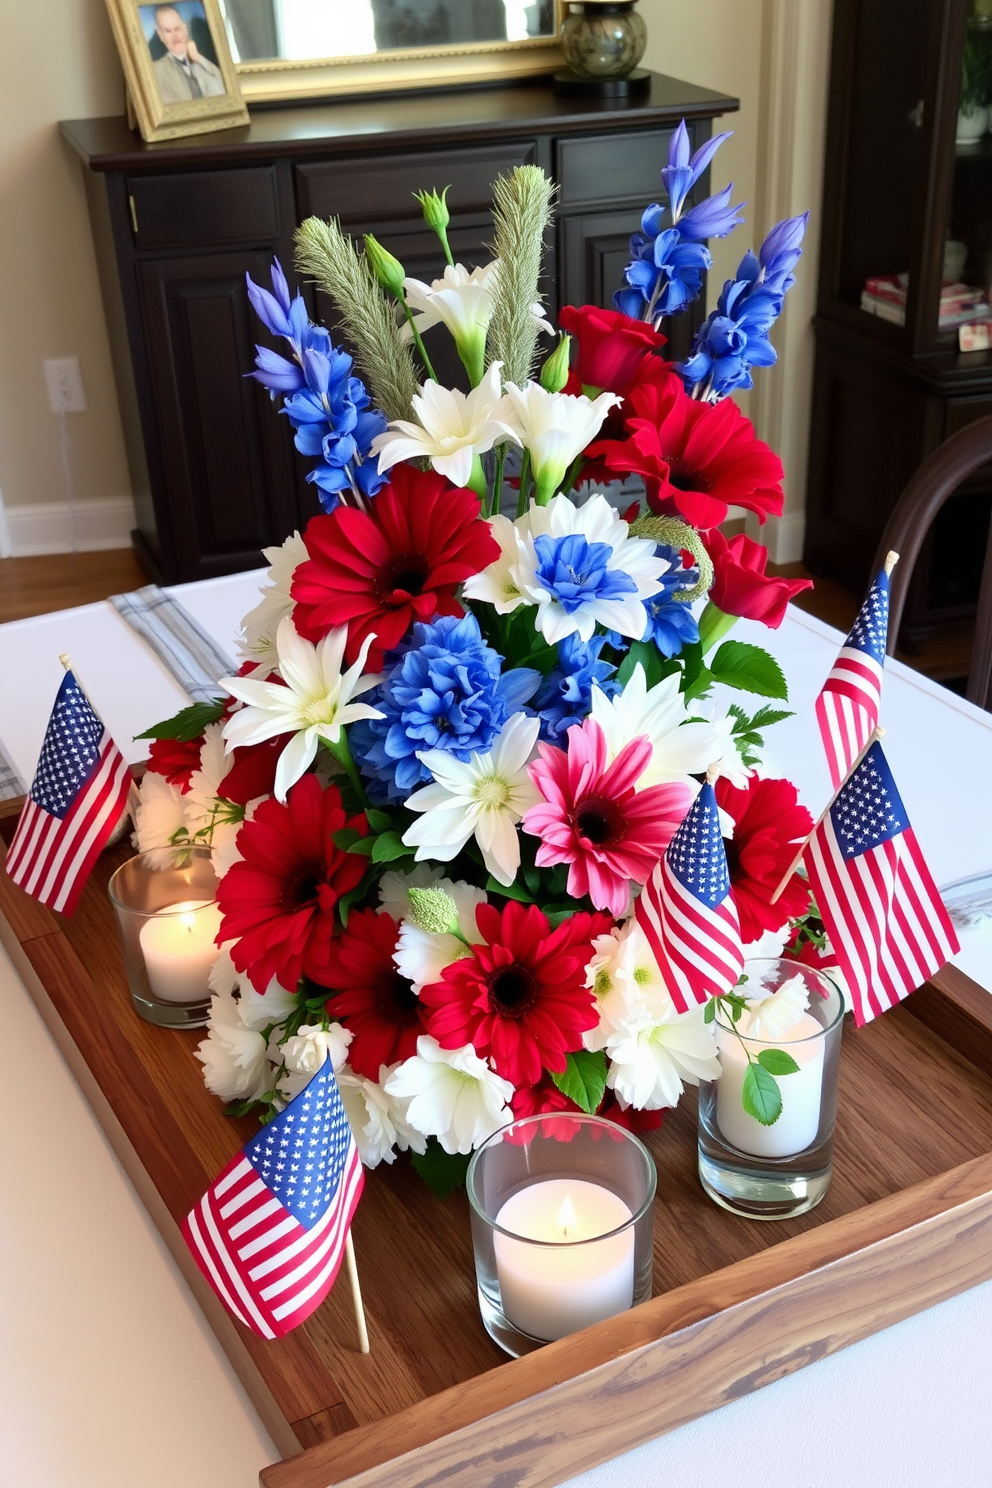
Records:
x=445, y=691
x=668, y=262
x=671, y=623
x=327, y=407
x=575, y=572
x=566, y=695
x=735, y=337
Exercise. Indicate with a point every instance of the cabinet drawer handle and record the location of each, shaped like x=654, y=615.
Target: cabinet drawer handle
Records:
x=134, y=215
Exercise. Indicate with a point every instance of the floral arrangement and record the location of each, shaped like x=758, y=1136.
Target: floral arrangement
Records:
x=477, y=694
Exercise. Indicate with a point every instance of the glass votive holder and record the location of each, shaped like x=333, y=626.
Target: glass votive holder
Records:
x=166, y=906
x=562, y=1226
x=782, y=1169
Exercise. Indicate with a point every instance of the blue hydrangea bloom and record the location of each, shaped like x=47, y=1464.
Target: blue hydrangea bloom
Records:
x=671, y=622
x=327, y=407
x=735, y=337
x=575, y=571
x=444, y=690
x=566, y=694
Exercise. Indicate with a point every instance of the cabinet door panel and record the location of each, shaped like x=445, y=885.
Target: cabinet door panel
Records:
x=381, y=189
x=613, y=166
x=205, y=209
x=226, y=457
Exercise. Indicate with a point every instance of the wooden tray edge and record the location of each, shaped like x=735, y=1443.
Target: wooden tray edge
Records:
x=571, y=1422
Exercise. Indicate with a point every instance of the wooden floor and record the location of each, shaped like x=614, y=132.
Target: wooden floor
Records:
x=34, y=586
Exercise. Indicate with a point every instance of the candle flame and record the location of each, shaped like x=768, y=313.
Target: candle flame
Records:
x=566, y=1216
x=188, y=921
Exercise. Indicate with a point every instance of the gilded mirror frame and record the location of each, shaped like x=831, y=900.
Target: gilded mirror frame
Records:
x=279, y=81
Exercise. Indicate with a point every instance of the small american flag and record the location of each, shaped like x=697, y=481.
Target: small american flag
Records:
x=77, y=797
x=848, y=706
x=688, y=914
x=888, y=926
x=270, y=1232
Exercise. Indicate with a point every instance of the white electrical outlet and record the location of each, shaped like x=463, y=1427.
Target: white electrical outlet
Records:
x=65, y=385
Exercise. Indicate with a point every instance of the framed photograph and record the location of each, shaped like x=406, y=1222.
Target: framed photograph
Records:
x=178, y=67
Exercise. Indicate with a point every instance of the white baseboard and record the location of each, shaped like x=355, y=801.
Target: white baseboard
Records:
x=785, y=537
x=54, y=527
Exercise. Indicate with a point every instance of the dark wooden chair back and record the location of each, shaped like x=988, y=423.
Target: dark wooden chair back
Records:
x=938, y=478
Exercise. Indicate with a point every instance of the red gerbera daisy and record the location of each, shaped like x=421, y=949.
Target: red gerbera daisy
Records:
x=371, y=997
x=278, y=903
x=521, y=997
x=697, y=459
x=401, y=561
x=593, y=818
x=769, y=825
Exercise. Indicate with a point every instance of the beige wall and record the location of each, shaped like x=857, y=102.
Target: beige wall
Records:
x=58, y=62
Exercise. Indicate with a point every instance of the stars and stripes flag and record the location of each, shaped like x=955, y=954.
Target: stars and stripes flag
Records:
x=688, y=914
x=77, y=797
x=848, y=706
x=883, y=913
x=270, y=1232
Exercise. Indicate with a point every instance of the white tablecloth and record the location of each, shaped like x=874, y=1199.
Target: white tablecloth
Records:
x=109, y=1377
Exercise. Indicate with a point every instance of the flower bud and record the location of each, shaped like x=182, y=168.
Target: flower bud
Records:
x=554, y=373
x=433, y=911
x=387, y=269
x=435, y=209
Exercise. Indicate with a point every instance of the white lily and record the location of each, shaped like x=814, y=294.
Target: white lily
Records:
x=257, y=641
x=554, y=428
x=462, y=300
x=483, y=797
x=454, y=428
x=679, y=749
x=451, y=1094
x=314, y=705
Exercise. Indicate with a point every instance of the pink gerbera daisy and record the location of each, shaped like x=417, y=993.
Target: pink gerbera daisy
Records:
x=593, y=817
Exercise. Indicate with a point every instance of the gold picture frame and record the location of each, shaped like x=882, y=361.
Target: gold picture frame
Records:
x=273, y=81
x=175, y=86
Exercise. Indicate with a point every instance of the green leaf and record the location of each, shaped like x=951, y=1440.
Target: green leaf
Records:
x=379, y=821
x=761, y=1097
x=346, y=838
x=777, y=1062
x=583, y=1079
x=532, y=878
x=442, y=1171
x=388, y=847
x=188, y=724
x=556, y=914
x=709, y=1011
x=345, y=903
x=750, y=669
x=509, y=891
x=556, y=879
x=645, y=652
x=765, y=717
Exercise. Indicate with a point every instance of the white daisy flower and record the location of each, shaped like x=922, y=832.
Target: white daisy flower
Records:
x=483, y=797
x=652, y=1057
x=257, y=641
x=554, y=428
x=679, y=749
x=234, y=1058
x=377, y=1120
x=314, y=705
x=452, y=431
x=499, y=584
x=772, y=1017
x=451, y=1094
x=158, y=817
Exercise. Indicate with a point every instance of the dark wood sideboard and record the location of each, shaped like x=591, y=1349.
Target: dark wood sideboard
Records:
x=178, y=225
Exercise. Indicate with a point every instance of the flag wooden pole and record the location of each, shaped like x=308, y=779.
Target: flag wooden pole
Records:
x=356, y=1295
x=873, y=738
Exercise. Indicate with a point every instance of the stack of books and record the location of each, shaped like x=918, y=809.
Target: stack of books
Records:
x=885, y=296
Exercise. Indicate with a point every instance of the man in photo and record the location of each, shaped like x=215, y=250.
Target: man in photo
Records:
x=184, y=72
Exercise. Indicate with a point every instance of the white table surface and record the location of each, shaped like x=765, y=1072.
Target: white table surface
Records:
x=109, y=1376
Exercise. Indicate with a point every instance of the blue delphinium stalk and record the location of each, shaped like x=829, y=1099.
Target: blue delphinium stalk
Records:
x=668, y=261
x=444, y=690
x=735, y=336
x=327, y=407
x=566, y=694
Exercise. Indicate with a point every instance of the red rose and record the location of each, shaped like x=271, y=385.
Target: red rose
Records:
x=741, y=586
x=611, y=345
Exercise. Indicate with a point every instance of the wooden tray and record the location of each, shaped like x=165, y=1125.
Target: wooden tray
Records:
x=907, y=1222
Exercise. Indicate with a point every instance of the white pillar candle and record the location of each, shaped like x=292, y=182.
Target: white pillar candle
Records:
x=549, y=1291
x=799, y=1121
x=178, y=945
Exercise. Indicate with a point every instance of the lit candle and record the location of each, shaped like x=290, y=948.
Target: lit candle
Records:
x=551, y=1290
x=797, y=1126
x=178, y=945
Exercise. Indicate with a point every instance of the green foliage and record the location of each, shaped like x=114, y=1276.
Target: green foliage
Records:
x=188, y=724
x=388, y=847
x=328, y=255
x=583, y=1079
x=509, y=891
x=750, y=669
x=747, y=731
x=442, y=1171
x=777, y=1062
x=656, y=667
x=761, y=1096
x=521, y=212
